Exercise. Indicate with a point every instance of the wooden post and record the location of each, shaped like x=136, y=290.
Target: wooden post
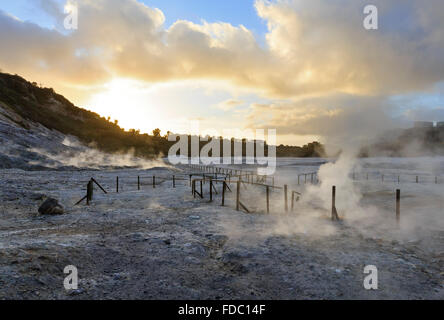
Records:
x=190, y=178
x=268, y=199
x=305, y=179
x=193, y=188
x=138, y=182
x=334, y=212
x=238, y=195
x=117, y=184
x=286, y=197
x=292, y=201
x=98, y=184
x=211, y=190
x=174, y=181
x=89, y=192
x=154, y=182
x=224, y=186
x=398, y=205
x=299, y=178
x=201, y=190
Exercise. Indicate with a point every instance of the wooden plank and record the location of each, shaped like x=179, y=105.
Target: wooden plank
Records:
x=78, y=202
x=98, y=184
x=244, y=207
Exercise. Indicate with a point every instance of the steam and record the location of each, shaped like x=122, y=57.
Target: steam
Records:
x=79, y=156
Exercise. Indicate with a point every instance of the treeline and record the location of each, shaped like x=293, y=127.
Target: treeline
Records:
x=313, y=149
x=44, y=106
x=407, y=143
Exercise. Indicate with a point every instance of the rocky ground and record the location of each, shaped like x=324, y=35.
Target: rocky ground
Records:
x=164, y=244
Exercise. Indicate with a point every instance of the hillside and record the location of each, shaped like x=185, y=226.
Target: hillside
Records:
x=411, y=142
x=24, y=104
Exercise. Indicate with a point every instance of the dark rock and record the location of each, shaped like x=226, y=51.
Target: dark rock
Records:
x=51, y=206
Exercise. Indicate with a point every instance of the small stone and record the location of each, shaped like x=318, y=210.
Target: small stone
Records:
x=76, y=292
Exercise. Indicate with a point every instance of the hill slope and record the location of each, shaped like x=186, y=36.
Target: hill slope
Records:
x=43, y=106
x=41, y=129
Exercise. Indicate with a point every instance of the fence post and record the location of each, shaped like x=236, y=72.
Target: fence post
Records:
x=201, y=190
x=334, y=212
x=211, y=190
x=154, y=182
x=174, y=181
x=292, y=201
x=398, y=205
x=286, y=197
x=299, y=179
x=138, y=182
x=89, y=192
x=117, y=184
x=268, y=199
x=224, y=186
x=238, y=195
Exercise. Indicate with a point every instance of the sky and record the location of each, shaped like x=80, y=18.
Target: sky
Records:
x=308, y=69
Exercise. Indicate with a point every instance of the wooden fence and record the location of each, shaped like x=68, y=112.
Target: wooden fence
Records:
x=228, y=177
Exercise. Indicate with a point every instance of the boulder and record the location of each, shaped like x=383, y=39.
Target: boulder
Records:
x=51, y=206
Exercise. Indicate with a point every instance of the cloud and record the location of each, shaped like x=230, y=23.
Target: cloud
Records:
x=339, y=119
x=313, y=48
x=230, y=104
x=323, y=69
x=421, y=114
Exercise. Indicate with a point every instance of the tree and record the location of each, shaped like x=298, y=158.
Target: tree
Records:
x=156, y=133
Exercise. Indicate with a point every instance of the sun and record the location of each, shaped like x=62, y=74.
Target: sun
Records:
x=131, y=103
